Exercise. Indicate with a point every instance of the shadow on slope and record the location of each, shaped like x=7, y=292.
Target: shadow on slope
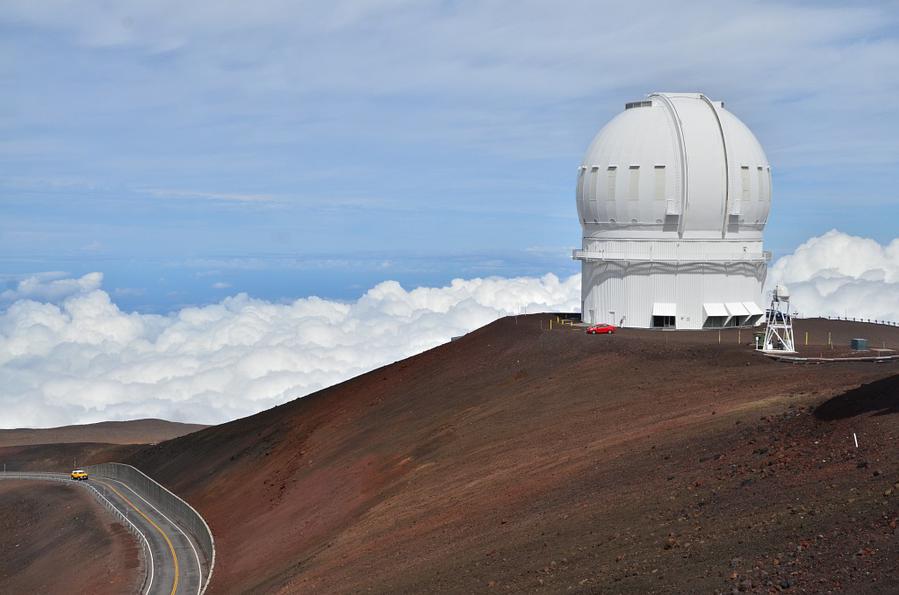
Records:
x=880, y=397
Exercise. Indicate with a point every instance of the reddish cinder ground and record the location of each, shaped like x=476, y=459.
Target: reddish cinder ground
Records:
x=138, y=431
x=61, y=449
x=55, y=538
x=523, y=459
x=62, y=457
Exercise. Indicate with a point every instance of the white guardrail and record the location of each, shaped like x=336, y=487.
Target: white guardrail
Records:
x=851, y=319
x=180, y=511
x=149, y=566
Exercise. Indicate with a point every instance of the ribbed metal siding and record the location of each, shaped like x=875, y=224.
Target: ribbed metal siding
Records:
x=630, y=291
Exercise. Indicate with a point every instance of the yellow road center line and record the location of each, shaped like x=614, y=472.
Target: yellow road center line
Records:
x=161, y=532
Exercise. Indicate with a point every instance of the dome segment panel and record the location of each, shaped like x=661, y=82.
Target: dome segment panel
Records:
x=629, y=173
x=750, y=178
x=675, y=165
x=705, y=163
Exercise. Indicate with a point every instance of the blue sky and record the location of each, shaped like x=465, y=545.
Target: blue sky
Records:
x=285, y=149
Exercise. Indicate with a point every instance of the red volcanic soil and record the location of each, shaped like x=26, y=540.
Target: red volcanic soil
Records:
x=44, y=526
x=138, y=431
x=61, y=449
x=523, y=459
x=62, y=457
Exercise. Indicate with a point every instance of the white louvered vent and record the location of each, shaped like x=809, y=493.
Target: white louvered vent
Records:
x=610, y=191
x=659, y=176
x=633, y=185
x=761, y=183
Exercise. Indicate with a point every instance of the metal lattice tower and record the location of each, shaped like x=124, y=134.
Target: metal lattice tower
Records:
x=779, y=329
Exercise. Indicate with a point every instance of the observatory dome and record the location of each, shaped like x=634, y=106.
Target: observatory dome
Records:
x=673, y=195
x=674, y=165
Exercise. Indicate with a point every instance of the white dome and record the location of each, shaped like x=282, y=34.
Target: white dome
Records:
x=676, y=165
x=673, y=196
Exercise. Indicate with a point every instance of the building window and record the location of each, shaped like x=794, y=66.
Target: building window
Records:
x=633, y=186
x=610, y=192
x=663, y=322
x=736, y=321
x=715, y=321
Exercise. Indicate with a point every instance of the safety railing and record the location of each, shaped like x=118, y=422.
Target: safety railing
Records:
x=683, y=257
x=168, y=503
x=852, y=319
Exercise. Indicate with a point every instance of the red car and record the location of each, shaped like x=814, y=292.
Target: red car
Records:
x=600, y=329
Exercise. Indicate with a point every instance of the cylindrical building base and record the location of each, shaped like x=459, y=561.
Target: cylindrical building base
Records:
x=682, y=295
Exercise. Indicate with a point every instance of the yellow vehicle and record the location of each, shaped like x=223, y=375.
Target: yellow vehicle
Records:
x=79, y=474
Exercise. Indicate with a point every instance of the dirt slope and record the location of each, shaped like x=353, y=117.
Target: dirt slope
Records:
x=138, y=431
x=522, y=459
x=62, y=457
x=55, y=538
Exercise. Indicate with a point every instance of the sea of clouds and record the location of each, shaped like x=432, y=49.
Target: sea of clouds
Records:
x=68, y=354
x=80, y=359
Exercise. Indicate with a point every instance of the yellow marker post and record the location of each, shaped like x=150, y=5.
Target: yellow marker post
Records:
x=806, y=337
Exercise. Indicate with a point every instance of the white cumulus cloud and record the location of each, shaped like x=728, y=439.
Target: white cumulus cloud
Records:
x=49, y=286
x=837, y=274
x=83, y=360
x=68, y=354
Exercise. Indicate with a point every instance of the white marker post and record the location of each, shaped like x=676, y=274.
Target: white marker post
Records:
x=855, y=438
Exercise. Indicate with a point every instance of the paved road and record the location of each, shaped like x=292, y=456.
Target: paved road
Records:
x=173, y=559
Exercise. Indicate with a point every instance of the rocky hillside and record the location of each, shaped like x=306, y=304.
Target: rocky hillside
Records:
x=525, y=459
